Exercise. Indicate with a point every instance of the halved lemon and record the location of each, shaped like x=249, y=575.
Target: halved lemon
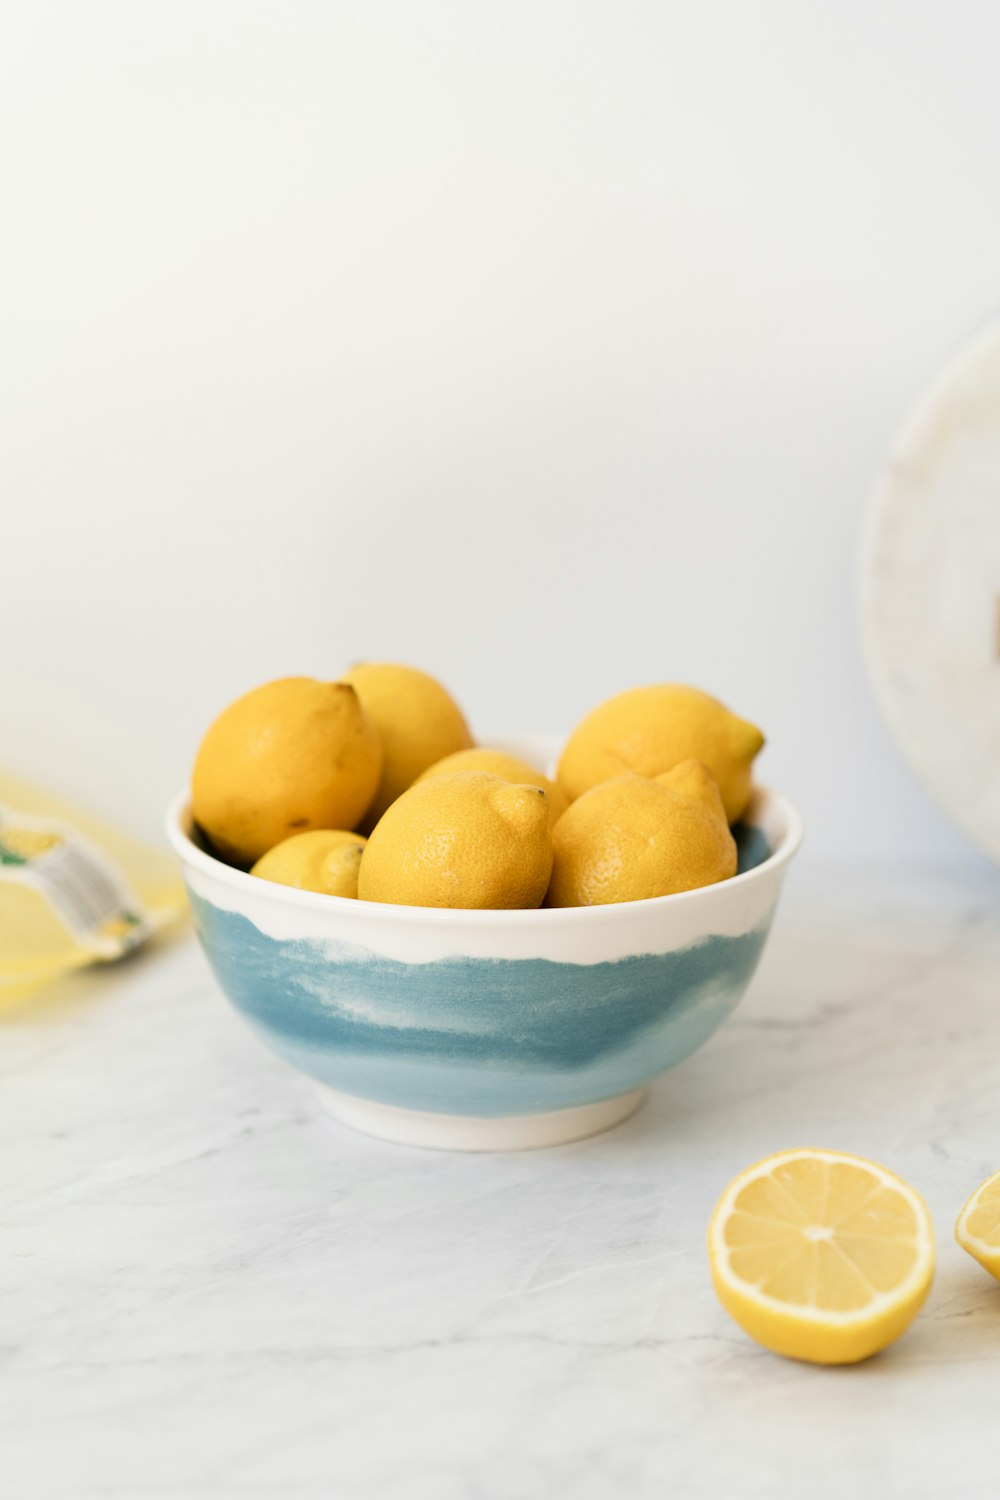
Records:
x=821, y=1256
x=978, y=1226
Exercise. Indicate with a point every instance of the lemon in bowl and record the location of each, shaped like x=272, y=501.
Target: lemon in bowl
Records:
x=465, y=841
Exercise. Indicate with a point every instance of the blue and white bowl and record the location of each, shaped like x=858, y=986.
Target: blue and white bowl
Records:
x=486, y=1030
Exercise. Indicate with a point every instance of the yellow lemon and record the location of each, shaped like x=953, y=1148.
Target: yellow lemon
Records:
x=417, y=720
x=978, y=1226
x=326, y=860
x=499, y=763
x=633, y=837
x=650, y=729
x=26, y=844
x=821, y=1256
x=287, y=757
x=465, y=840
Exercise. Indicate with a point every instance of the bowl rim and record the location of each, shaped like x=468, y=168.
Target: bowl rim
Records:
x=763, y=803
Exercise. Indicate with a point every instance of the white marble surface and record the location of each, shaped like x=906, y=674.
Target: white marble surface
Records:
x=208, y=1290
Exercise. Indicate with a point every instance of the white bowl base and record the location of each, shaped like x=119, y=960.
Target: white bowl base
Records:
x=414, y=1127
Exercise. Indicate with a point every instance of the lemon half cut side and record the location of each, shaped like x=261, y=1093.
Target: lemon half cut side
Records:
x=978, y=1226
x=821, y=1255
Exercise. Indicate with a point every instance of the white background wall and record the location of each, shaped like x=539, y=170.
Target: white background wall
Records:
x=551, y=346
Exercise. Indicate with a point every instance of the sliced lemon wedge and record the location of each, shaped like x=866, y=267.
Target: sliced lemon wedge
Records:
x=978, y=1226
x=821, y=1256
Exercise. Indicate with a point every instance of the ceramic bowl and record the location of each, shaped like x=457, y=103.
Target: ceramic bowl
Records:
x=486, y=1030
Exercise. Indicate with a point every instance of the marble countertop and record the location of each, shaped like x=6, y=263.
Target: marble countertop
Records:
x=208, y=1290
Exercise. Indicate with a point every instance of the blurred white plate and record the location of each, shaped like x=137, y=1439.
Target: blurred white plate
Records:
x=930, y=591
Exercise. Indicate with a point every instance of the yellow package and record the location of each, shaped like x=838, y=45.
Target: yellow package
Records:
x=72, y=891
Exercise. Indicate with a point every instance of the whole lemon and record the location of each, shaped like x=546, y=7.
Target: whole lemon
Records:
x=650, y=729
x=631, y=838
x=509, y=767
x=289, y=756
x=464, y=840
x=325, y=860
x=418, y=723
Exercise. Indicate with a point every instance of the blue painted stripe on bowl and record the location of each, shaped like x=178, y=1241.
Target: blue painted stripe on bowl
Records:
x=476, y=1036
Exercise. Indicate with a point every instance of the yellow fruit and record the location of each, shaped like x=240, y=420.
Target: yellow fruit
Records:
x=978, y=1226
x=326, y=860
x=650, y=729
x=289, y=756
x=417, y=720
x=632, y=838
x=821, y=1256
x=465, y=840
x=499, y=763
